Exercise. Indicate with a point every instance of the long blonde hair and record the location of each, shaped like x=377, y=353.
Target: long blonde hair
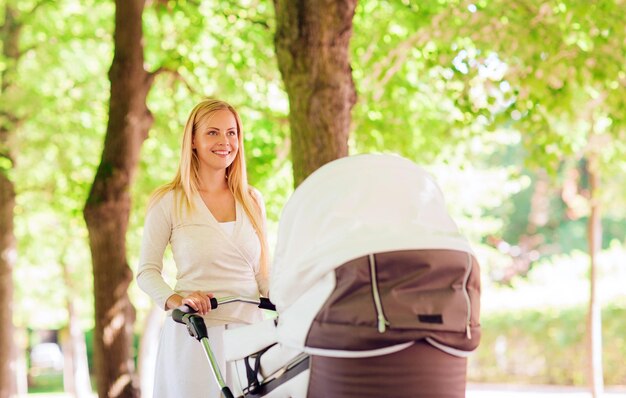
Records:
x=187, y=180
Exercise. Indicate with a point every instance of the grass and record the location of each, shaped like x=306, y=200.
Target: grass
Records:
x=46, y=382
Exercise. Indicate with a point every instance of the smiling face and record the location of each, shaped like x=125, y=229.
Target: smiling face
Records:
x=216, y=141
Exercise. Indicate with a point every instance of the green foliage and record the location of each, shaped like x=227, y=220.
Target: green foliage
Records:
x=446, y=71
x=436, y=79
x=564, y=60
x=546, y=347
x=403, y=104
x=58, y=148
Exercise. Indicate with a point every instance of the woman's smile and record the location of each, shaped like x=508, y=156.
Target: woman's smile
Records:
x=222, y=152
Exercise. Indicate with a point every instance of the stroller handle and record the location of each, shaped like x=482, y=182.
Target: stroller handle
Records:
x=178, y=314
x=261, y=302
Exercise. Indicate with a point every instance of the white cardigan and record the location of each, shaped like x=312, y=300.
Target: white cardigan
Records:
x=207, y=258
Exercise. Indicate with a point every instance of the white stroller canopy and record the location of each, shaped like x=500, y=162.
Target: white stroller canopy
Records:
x=352, y=207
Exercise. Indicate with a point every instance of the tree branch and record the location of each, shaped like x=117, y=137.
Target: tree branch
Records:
x=260, y=22
x=176, y=75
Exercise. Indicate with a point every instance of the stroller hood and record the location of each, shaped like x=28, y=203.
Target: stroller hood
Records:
x=352, y=207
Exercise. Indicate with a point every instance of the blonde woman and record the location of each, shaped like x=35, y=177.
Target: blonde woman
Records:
x=215, y=224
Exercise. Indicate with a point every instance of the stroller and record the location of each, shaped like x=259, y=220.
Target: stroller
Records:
x=367, y=262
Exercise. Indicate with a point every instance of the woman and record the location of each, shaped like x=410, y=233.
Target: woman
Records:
x=215, y=225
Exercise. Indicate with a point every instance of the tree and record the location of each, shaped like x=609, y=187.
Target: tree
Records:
x=11, y=119
x=54, y=170
x=11, y=53
x=312, y=48
x=108, y=206
x=558, y=64
x=568, y=89
x=551, y=70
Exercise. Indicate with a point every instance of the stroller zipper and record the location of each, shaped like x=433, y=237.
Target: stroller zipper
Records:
x=468, y=331
x=380, y=315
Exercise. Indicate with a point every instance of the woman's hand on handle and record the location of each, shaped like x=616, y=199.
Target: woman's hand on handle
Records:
x=199, y=301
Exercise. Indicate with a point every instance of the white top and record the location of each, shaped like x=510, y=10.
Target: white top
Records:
x=207, y=258
x=228, y=227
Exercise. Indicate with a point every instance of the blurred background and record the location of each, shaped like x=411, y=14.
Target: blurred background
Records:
x=516, y=107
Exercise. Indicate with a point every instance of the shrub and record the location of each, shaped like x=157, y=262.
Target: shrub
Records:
x=547, y=347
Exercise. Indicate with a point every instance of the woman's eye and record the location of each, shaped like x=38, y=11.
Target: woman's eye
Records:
x=232, y=133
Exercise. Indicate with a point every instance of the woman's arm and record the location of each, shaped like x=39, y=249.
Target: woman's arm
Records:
x=156, y=235
x=261, y=276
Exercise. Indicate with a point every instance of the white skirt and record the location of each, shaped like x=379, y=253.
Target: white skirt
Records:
x=182, y=367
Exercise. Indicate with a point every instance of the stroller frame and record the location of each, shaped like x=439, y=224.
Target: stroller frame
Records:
x=198, y=330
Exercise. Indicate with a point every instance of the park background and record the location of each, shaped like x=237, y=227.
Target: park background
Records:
x=516, y=107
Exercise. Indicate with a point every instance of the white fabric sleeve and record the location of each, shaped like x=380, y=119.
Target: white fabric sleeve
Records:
x=156, y=235
x=262, y=280
x=263, y=283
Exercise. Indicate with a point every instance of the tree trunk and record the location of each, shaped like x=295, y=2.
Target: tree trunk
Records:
x=594, y=321
x=10, y=36
x=108, y=206
x=312, y=47
x=76, y=380
x=7, y=261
